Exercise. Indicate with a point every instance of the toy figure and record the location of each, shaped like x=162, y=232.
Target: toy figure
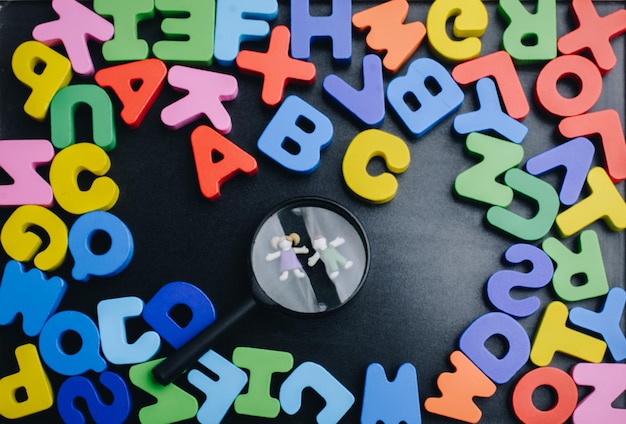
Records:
x=329, y=254
x=287, y=253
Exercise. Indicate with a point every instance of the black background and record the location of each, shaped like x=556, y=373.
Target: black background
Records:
x=431, y=252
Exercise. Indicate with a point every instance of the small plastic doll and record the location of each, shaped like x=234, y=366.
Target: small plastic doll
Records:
x=329, y=254
x=287, y=253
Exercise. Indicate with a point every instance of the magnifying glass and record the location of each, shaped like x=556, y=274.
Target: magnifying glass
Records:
x=309, y=257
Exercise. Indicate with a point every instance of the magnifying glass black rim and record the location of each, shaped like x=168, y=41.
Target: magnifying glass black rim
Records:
x=323, y=203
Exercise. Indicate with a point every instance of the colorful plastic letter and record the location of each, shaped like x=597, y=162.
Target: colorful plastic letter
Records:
x=391, y=401
x=554, y=336
x=191, y=24
x=123, y=79
x=575, y=156
x=607, y=124
x=594, y=34
x=498, y=65
x=577, y=68
x=86, y=358
x=499, y=369
x=206, y=92
x=31, y=378
x=77, y=24
x=458, y=390
x=428, y=84
x=296, y=135
x=490, y=116
x=45, y=83
x=112, y=316
x=389, y=33
x=238, y=21
x=219, y=394
x=539, y=191
x=588, y=262
x=470, y=23
x=157, y=312
x=501, y=283
x=173, y=404
x=479, y=182
x=24, y=245
x=262, y=364
x=306, y=28
x=63, y=110
x=276, y=67
x=213, y=173
x=125, y=44
x=31, y=295
x=606, y=322
x=311, y=375
x=605, y=202
x=107, y=264
x=529, y=37
x=362, y=149
x=608, y=385
x=367, y=104
x=20, y=159
x=78, y=387
x=563, y=386
x=68, y=164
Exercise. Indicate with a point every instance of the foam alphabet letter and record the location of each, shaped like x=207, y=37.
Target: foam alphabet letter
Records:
x=470, y=23
x=588, y=262
x=544, y=196
x=192, y=25
x=63, y=110
x=306, y=28
x=219, y=394
x=79, y=387
x=607, y=381
x=391, y=401
x=605, y=202
x=125, y=44
x=56, y=74
x=500, y=283
x=238, y=21
x=206, y=92
x=213, y=173
x=458, y=390
x=262, y=364
x=362, y=149
x=158, y=312
x=173, y=404
x=424, y=96
x=112, y=316
x=76, y=25
x=107, y=264
x=29, y=294
x=311, y=375
x=499, y=369
x=296, y=135
x=479, y=182
x=529, y=37
x=389, y=33
x=32, y=378
x=122, y=79
x=86, y=358
x=68, y=164
x=24, y=245
x=20, y=159
x=554, y=336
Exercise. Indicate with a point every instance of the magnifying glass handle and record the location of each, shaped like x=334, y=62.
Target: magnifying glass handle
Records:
x=178, y=362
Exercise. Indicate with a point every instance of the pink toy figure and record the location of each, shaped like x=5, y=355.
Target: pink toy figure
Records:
x=329, y=254
x=287, y=253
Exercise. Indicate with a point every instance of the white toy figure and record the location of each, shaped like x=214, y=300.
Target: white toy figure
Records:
x=287, y=253
x=328, y=253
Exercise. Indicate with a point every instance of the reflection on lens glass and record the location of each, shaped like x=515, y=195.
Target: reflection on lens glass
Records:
x=310, y=256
